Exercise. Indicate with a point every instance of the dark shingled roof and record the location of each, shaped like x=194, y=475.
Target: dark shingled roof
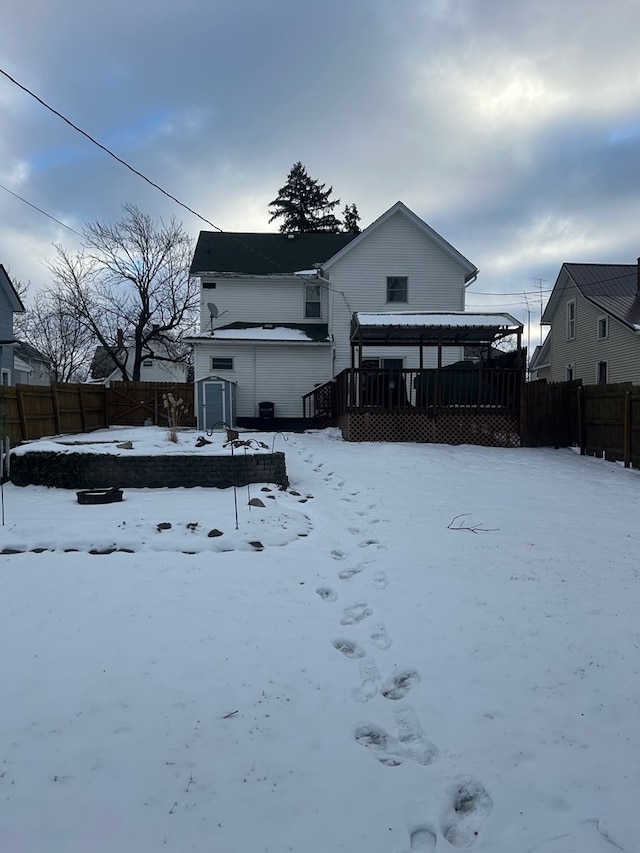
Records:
x=264, y=254
x=611, y=287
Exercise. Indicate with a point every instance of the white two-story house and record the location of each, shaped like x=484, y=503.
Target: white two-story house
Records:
x=276, y=309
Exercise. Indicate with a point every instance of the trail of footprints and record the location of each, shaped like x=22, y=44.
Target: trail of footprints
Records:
x=468, y=802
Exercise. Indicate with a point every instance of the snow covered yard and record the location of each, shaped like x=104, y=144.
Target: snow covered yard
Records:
x=369, y=680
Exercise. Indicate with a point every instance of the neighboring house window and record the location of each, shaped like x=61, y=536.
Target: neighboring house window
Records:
x=148, y=362
x=218, y=363
x=571, y=320
x=312, y=300
x=397, y=288
x=569, y=373
x=208, y=285
x=5, y=377
x=603, y=328
x=601, y=373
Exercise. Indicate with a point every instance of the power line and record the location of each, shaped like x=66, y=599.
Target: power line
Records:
x=517, y=293
x=39, y=209
x=107, y=150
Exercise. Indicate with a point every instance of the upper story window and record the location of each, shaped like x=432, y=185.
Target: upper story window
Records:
x=603, y=327
x=397, y=288
x=571, y=320
x=148, y=362
x=312, y=300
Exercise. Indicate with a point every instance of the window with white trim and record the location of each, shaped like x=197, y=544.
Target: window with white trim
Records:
x=397, y=288
x=221, y=363
x=312, y=300
x=569, y=373
x=602, y=371
x=6, y=376
x=148, y=362
x=571, y=320
x=603, y=327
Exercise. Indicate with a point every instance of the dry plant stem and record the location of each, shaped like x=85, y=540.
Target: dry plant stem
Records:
x=478, y=528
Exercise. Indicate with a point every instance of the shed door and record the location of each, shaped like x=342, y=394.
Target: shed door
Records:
x=215, y=415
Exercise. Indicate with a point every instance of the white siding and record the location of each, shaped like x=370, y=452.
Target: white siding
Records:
x=278, y=373
x=258, y=300
x=621, y=349
x=359, y=283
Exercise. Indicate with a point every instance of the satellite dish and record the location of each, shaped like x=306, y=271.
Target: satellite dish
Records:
x=213, y=309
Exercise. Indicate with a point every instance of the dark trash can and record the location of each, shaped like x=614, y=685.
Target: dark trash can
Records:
x=266, y=411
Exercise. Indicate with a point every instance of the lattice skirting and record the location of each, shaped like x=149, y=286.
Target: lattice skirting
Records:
x=488, y=430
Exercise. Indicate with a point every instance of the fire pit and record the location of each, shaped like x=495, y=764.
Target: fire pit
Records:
x=99, y=496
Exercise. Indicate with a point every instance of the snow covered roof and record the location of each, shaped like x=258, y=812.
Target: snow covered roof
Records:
x=451, y=328
x=276, y=332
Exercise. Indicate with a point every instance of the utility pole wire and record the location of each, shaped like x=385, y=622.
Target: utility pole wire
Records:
x=107, y=150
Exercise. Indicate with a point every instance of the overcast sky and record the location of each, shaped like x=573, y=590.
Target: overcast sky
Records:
x=512, y=128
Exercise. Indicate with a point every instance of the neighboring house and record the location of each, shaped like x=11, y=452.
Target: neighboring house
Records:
x=594, y=314
x=31, y=367
x=10, y=304
x=276, y=309
x=540, y=365
x=158, y=367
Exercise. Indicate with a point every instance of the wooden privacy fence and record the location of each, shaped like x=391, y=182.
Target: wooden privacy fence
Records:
x=28, y=412
x=137, y=403
x=602, y=420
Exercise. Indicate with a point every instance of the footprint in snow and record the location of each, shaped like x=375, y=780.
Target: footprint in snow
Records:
x=470, y=805
x=414, y=744
x=337, y=555
x=326, y=594
x=347, y=574
x=378, y=742
x=380, y=638
x=349, y=649
x=369, y=682
x=423, y=837
x=380, y=580
x=355, y=613
x=398, y=685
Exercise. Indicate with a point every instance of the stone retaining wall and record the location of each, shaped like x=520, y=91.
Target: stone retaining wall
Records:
x=94, y=471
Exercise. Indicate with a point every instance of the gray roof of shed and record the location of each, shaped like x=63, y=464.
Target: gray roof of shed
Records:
x=611, y=287
x=264, y=254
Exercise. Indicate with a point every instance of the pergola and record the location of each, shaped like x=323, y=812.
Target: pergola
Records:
x=433, y=329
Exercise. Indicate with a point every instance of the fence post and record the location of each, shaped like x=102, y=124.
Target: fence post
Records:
x=21, y=413
x=580, y=420
x=56, y=407
x=83, y=415
x=627, y=429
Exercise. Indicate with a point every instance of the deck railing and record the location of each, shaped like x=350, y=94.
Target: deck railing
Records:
x=411, y=389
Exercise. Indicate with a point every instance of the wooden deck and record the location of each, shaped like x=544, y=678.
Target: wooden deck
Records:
x=476, y=405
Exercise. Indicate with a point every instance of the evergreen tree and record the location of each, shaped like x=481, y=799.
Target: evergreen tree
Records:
x=304, y=205
x=350, y=219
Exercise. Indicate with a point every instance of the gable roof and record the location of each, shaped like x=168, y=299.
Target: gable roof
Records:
x=12, y=295
x=30, y=353
x=613, y=288
x=541, y=355
x=470, y=269
x=263, y=254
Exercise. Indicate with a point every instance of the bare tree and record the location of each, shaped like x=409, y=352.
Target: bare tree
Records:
x=130, y=288
x=58, y=335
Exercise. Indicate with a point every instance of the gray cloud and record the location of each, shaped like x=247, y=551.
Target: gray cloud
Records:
x=513, y=129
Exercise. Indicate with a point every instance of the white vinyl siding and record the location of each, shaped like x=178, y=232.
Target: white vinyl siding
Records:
x=259, y=300
x=275, y=372
x=359, y=283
